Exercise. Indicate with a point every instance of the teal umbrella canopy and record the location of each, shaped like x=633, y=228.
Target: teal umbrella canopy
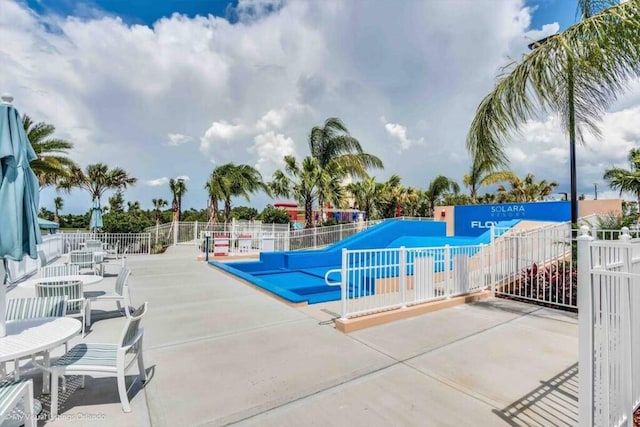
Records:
x=95, y=223
x=19, y=230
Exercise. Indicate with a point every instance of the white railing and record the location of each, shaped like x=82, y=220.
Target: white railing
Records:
x=536, y=265
x=375, y=280
x=317, y=237
x=133, y=243
x=51, y=248
x=609, y=330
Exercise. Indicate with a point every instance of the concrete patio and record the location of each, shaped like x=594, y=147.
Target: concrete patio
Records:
x=220, y=352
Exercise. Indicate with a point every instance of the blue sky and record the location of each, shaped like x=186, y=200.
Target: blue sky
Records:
x=148, y=11
x=247, y=82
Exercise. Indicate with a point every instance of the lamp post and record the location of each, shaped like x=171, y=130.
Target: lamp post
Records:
x=572, y=130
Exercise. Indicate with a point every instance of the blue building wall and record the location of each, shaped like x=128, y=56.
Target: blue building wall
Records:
x=473, y=220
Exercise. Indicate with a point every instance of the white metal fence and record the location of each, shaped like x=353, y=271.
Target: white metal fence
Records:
x=536, y=265
x=132, y=243
x=374, y=280
x=609, y=329
x=56, y=245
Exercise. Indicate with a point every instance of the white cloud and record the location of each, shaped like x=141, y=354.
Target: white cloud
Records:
x=251, y=91
x=176, y=139
x=399, y=132
x=157, y=182
x=270, y=148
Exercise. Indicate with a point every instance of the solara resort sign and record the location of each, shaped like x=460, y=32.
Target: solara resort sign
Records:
x=473, y=220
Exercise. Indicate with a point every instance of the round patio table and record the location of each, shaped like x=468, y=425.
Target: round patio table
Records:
x=33, y=336
x=86, y=279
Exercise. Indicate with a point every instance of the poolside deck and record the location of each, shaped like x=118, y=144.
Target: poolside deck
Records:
x=220, y=352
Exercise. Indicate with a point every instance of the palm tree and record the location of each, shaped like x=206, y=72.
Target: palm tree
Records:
x=305, y=182
x=133, y=206
x=231, y=180
x=96, y=179
x=438, y=188
x=178, y=188
x=577, y=74
x=158, y=204
x=482, y=175
x=388, y=196
x=52, y=163
x=364, y=194
x=526, y=190
x=626, y=180
x=58, y=203
x=339, y=153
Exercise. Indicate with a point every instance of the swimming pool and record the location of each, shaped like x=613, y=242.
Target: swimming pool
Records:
x=299, y=276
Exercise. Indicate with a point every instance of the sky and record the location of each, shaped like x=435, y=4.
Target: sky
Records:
x=174, y=88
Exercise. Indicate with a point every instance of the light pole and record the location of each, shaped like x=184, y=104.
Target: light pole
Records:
x=571, y=120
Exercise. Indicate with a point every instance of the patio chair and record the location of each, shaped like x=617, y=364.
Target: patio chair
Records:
x=59, y=270
x=33, y=308
x=120, y=293
x=15, y=394
x=92, y=358
x=83, y=259
x=77, y=304
x=94, y=246
x=113, y=250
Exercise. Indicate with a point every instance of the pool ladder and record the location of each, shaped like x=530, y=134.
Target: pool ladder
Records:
x=328, y=273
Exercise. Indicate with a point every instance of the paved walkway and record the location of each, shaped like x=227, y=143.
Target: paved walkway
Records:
x=220, y=352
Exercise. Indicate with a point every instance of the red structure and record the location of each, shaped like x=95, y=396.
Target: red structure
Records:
x=290, y=207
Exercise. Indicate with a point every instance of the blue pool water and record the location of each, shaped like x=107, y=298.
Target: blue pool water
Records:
x=298, y=276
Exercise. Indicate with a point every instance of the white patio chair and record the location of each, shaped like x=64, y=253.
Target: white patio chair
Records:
x=77, y=304
x=93, y=246
x=83, y=259
x=113, y=250
x=120, y=294
x=33, y=308
x=56, y=270
x=91, y=358
x=13, y=395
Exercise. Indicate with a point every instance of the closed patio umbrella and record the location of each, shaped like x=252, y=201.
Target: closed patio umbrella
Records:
x=95, y=223
x=19, y=230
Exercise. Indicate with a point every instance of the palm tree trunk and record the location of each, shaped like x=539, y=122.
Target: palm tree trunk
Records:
x=308, y=213
x=227, y=211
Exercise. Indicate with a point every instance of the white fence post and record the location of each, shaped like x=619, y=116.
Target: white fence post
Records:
x=344, y=285
x=195, y=232
x=493, y=264
x=446, y=269
x=403, y=276
x=627, y=403
x=585, y=329
x=149, y=244
x=176, y=224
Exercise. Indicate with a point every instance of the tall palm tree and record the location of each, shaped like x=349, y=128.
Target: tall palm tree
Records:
x=178, y=188
x=230, y=180
x=481, y=175
x=388, y=196
x=577, y=74
x=339, y=153
x=158, y=204
x=437, y=188
x=58, y=203
x=96, y=179
x=52, y=162
x=305, y=181
x=626, y=180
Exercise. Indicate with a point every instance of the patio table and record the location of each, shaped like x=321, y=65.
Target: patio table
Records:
x=86, y=279
x=33, y=336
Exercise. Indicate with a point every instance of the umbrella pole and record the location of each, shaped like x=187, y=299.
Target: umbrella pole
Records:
x=3, y=298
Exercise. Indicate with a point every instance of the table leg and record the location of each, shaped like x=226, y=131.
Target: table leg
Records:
x=46, y=384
